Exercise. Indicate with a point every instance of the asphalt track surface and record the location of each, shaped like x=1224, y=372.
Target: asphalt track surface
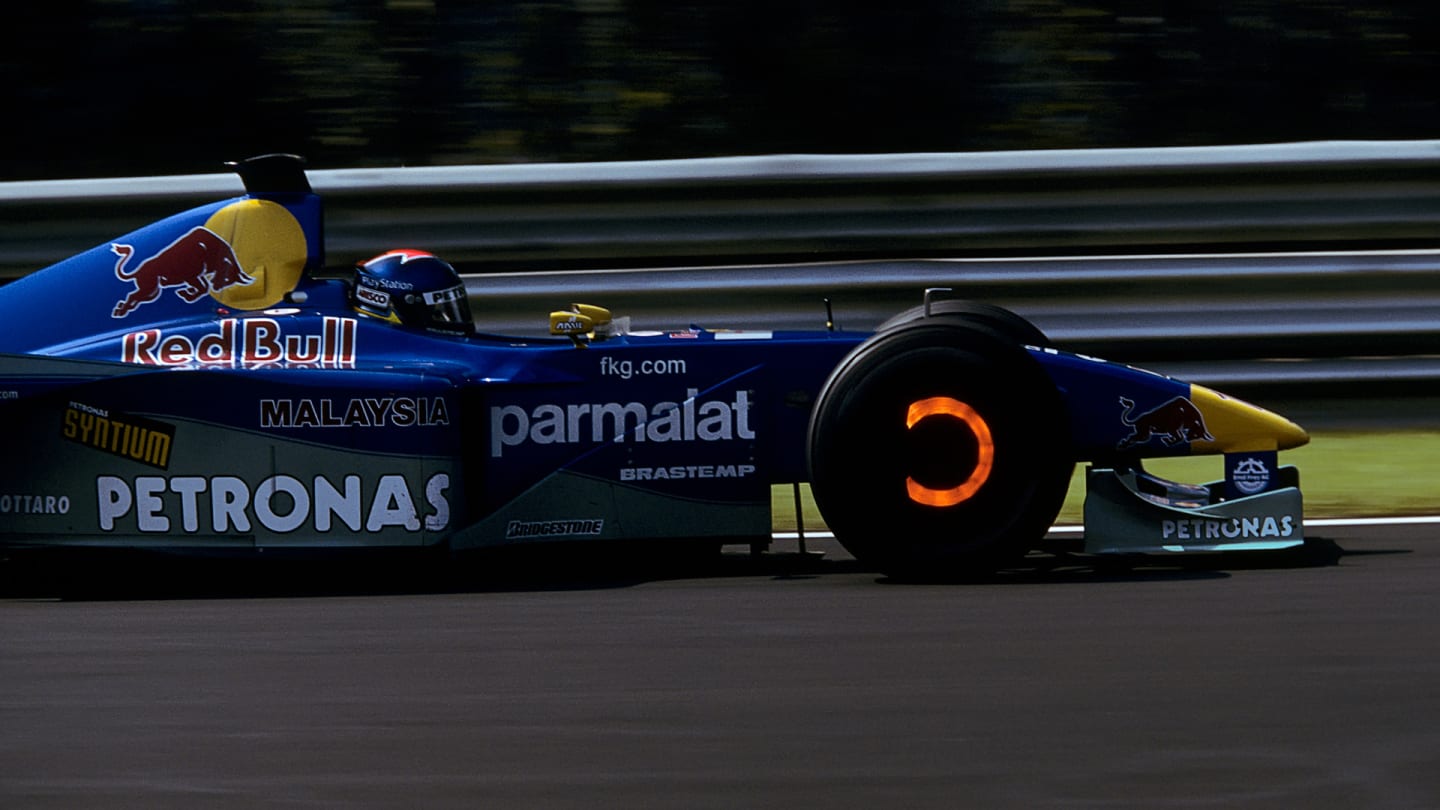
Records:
x=769, y=684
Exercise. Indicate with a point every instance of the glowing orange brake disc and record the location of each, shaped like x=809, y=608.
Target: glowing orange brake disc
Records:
x=985, y=460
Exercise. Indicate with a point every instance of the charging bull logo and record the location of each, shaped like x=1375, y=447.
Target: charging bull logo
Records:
x=1173, y=422
x=197, y=263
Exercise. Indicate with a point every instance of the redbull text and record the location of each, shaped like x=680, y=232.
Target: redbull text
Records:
x=246, y=343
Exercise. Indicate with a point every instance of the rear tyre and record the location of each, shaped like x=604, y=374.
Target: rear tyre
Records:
x=939, y=449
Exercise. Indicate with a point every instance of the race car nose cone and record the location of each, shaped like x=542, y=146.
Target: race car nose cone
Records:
x=1236, y=426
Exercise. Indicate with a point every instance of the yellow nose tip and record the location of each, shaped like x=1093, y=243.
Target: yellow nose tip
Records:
x=1237, y=426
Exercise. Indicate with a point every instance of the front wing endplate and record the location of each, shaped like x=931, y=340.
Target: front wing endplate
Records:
x=1123, y=516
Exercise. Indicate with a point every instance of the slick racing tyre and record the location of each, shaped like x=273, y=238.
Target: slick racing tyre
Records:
x=939, y=449
x=979, y=313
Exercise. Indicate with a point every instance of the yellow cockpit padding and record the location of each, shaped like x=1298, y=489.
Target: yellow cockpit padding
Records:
x=1238, y=426
x=389, y=317
x=270, y=244
x=599, y=315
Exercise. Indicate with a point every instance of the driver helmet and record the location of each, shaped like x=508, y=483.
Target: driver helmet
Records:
x=415, y=289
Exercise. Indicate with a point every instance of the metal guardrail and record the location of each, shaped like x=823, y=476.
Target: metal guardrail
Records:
x=801, y=207
x=1249, y=321
x=1217, y=316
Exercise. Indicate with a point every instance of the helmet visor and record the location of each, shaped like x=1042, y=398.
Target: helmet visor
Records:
x=448, y=310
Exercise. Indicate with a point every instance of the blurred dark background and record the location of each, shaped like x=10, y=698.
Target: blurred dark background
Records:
x=138, y=87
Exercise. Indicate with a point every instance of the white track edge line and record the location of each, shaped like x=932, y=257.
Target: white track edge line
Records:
x=1418, y=520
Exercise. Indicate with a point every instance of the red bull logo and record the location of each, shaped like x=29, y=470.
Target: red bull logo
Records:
x=1173, y=422
x=197, y=263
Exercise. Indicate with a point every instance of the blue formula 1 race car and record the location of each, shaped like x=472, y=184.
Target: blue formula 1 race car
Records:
x=199, y=387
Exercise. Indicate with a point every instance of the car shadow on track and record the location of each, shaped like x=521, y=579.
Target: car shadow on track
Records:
x=540, y=570
x=1065, y=563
